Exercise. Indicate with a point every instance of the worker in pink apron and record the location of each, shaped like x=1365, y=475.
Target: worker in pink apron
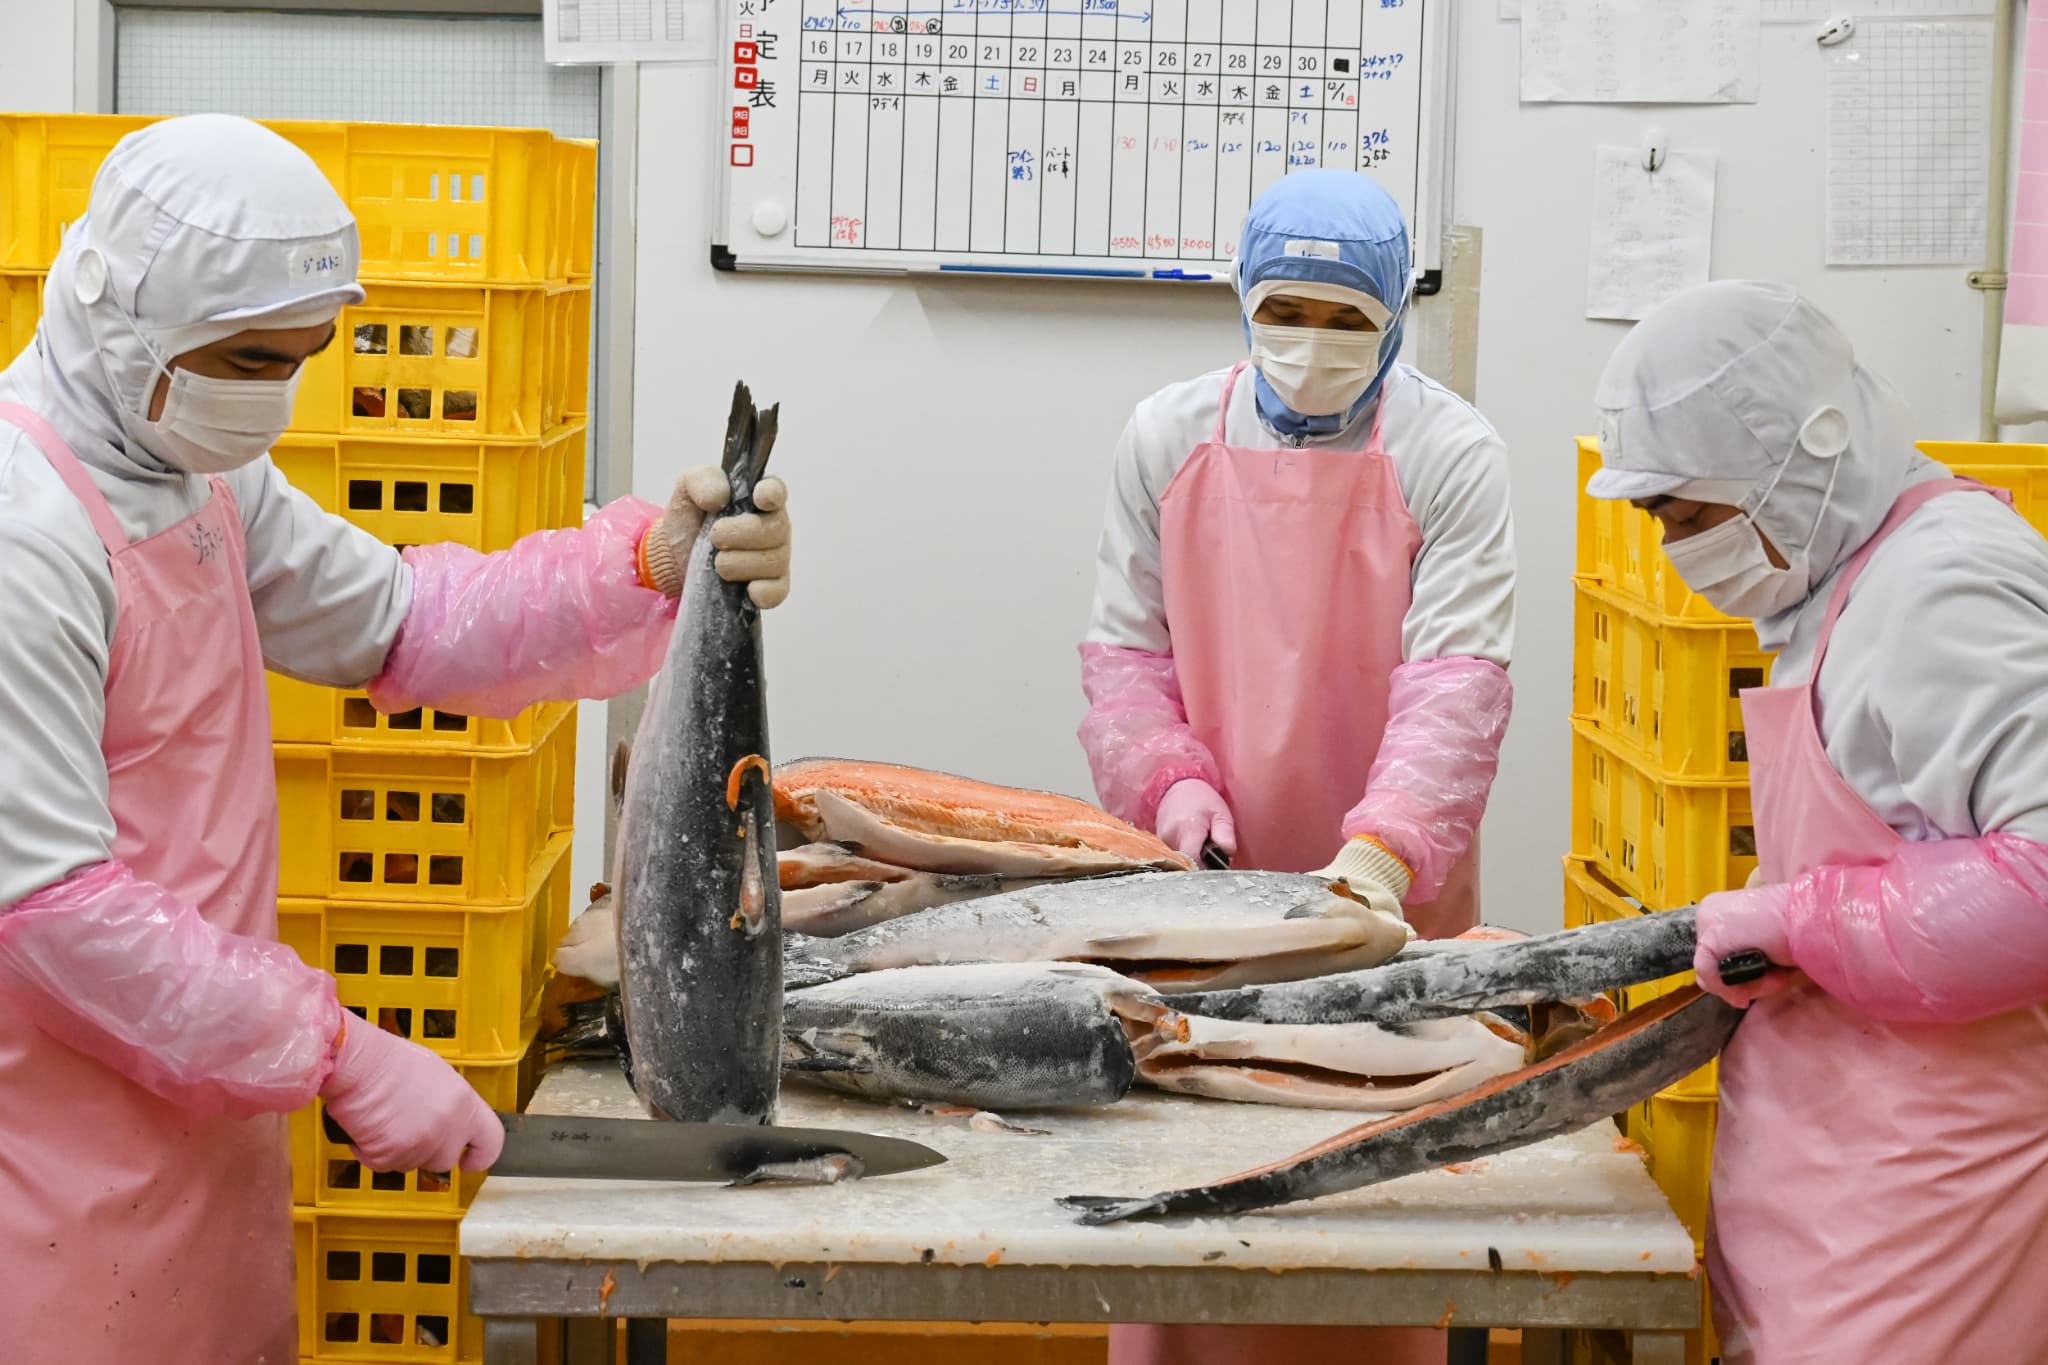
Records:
x=153, y=1033
x=1880, y=1181
x=1303, y=616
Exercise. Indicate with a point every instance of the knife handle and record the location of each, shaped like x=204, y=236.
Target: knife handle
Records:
x=1739, y=969
x=339, y=1135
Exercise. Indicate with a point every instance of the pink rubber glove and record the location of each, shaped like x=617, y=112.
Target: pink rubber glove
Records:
x=126, y=973
x=561, y=615
x=1136, y=732
x=407, y=1110
x=1428, y=787
x=1735, y=921
x=1193, y=813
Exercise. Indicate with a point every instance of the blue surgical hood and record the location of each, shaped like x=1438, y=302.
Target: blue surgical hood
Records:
x=1331, y=227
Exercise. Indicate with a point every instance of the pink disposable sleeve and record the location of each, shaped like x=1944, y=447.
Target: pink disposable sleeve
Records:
x=1136, y=731
x=1943, y=932
x=1428, y=787
x=126, y=973
x=561, y=615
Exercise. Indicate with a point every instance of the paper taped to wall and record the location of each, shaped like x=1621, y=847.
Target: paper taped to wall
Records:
x=629, y=31
x=1652, y=230
x=1647, y=52
x=1909, y=144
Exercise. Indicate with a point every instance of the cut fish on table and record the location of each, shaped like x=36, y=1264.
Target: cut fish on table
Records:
x=1174, y=931
x=937, y=822
x=696, y=888
x=1600, y=1075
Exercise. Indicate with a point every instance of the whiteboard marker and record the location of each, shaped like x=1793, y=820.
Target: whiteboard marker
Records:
x=1178, y=275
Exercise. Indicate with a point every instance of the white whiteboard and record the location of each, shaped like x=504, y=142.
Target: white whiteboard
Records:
x=1078, y=137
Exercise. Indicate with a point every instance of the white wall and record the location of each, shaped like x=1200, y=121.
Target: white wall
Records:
x=36, y=69
x=947, y=442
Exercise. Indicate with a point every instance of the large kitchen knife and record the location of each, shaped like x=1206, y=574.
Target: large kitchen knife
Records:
x=571, y=1147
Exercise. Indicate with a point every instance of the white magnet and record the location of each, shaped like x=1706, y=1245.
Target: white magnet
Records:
x=769, y=219
x=1837, y=31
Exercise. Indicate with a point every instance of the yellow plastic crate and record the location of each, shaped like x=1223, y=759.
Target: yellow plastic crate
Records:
x=305, y=713
x=388, y=1288
x=21, y=308
x=573, y=239
x=326, y=1174
x=364, y=824
x=1667, y=843
x=1676, y=1133
x=2019, y=467
x=445, y=360
x=483, y=494
x=1590, y=899
x=1667, y=692
x=465, y=205
x=1622, y=549
x=465, y=981
x=566, y=315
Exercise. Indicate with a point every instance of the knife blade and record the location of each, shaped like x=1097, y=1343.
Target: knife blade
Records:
x=571, y=1147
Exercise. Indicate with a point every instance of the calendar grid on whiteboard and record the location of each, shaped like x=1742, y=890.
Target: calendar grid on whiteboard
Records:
x=1083, y=131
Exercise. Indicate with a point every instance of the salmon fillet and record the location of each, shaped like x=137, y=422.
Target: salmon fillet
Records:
x=940, y=804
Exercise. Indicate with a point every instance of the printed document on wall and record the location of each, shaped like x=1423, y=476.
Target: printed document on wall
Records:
x=1653, y=231
x=626, y=31
x=1641, y=51
x=1909, y=144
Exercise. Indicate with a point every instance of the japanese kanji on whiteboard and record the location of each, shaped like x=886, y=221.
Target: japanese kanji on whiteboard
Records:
x=1035, y=132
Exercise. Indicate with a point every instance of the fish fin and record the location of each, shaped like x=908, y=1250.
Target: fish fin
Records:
x=1097, y=1209
x=801, y=967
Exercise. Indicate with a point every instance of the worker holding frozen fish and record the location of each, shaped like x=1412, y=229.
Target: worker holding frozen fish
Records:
x=1304, y=612
x=1880, y=1181
x=153, y=1032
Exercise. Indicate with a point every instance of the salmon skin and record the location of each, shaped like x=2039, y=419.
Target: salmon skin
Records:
x=1459, y=977
x=1622, y=1065
x=931, y=820
x=696, y=888
x=992, y=1035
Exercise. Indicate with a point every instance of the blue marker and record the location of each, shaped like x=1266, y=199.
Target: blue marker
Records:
x=1178, y=275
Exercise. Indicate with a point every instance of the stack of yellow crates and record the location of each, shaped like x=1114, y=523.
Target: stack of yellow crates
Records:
x=424, y=857
x=1660, y=770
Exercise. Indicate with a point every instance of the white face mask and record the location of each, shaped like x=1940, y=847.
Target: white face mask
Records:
x=1317, y=371
x=210, y=426
x=1729, y=567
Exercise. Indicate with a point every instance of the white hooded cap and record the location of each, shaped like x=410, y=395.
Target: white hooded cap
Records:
x=197, y=228
x=1733, y=390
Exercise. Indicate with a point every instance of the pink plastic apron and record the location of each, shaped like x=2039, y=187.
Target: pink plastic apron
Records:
x=1288, y=573
x=1880, y=1191
x=134, y=1231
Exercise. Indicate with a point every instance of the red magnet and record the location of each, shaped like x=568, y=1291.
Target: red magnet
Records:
x=745, y=77
x=746, y=54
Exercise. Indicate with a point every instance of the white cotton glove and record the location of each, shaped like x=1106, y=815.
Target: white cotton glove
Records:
x=1371, y=874
x=1191, y=814
x=753, y=547
x=405, y=1109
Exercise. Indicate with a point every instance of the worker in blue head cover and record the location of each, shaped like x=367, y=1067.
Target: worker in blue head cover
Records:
x=1304, y=606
